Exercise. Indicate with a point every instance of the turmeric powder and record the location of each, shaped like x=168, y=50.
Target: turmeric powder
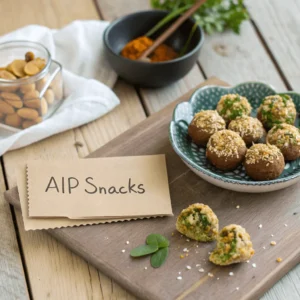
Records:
x=134, y=49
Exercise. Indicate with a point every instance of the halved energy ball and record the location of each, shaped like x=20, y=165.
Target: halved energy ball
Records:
x=276, y=109
x=233, y=246
x=250, y=129
x=226, y=150
x=264, y=162
x=232, y=106
x=204, y=124
x=287, y=138
x=198, y=222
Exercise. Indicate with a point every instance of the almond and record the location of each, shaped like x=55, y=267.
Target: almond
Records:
x=13, y=120
x=17, y=67
x=31, y=95
x=31, y=68
x=5, y=108
x=33, y=103
x=28, y=113
x=44, y=106
x=49, y=96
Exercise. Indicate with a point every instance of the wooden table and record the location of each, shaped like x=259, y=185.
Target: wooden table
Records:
x=34, y=265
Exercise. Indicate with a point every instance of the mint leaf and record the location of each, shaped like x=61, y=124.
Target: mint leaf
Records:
x=157, y=239
x=159, y=257
x=143, y=250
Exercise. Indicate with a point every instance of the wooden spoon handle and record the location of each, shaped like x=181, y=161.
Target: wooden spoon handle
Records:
x=171, y=29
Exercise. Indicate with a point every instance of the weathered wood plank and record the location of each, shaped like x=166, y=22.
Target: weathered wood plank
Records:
x=12, y=279
x=54, y=272
x=238, y=58
x=278, y=22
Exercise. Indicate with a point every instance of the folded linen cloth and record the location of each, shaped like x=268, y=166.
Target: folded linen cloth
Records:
x=78, y=47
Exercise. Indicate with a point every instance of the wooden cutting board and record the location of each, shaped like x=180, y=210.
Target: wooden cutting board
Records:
x=102, y=245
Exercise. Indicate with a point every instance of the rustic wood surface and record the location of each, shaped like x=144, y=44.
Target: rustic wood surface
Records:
x=266, y=50
x=101, y=245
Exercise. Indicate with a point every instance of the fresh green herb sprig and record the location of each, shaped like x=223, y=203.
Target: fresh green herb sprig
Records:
x=212, y=16
x=157, y=245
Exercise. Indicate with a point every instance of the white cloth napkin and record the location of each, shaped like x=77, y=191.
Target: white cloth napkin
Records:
x=79, y=48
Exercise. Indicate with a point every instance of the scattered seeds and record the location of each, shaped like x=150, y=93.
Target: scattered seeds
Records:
x=260, y=226
x=231, y=274
x=237, y=288
x=187, y=240
x=237, y=207
x=145, y=268
x=272, y=235
x=210, y=275
x=179, y=273
x=273, y=243
x=188, y=267
x=264, y=247
x=172, y=233
x=179, y=278
x=254, y=265
x=198, y=265
x=248, y=261
x=218, y=278
x=181, y=256
x=185, y=250
x=201, y=270
x=285, y=225
x=127, y=242
x=279, y=259
x=123, y=250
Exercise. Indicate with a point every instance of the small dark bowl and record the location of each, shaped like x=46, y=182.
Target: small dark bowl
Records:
x=145, y=74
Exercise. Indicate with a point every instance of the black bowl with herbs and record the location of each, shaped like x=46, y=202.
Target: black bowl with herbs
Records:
x=188, y=38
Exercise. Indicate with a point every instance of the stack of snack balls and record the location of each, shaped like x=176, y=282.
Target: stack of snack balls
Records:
x=227, y=148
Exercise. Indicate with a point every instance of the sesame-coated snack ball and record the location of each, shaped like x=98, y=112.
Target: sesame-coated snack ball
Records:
x=276, y=109
x=287, y=138
x=250, y=129
x=225, y=150
x=232, y=106
x=204, y=124
x=198, y=222
x=234, y=246
x=264, y=162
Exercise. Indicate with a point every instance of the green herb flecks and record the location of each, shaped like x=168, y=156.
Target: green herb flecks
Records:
x=213, y=15
x=225, y=256
x=157, y=245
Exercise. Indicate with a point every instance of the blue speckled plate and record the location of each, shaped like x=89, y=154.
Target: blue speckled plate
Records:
x=194, y=156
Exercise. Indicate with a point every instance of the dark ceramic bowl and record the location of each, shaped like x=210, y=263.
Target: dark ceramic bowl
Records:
x=145, y=74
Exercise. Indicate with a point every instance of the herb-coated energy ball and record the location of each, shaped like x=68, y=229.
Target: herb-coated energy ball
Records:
x=276, y=109
x=234, y=246
x=264, y=162
x=250, y=129
x=225, y=150
x=232, y=106
x=198, y=222
x=287, y=138
x=204, y=124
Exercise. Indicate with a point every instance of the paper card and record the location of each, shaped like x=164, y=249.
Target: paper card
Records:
x=49, y=223
x=113, y=187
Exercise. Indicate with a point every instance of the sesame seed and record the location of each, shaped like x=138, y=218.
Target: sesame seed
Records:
x=237, y=207
x=198, y=265
x=272, y=235
x=273, y=243
x=179, y=278
x=187, y=240
x=123, y=250
x=179, y=273
x=254, y=265
x=260, y=226
x=248, y=261
x=218, y=278
x=285, y=225
x=201, y=270
x=145, y=268
x=237, y=288
x=185, y=250
x=188, y=267
x=210, y=275
x=127, y=242
x=264, y=247
x=231, y=274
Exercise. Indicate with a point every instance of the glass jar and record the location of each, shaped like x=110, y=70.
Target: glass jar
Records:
x=28, y=100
